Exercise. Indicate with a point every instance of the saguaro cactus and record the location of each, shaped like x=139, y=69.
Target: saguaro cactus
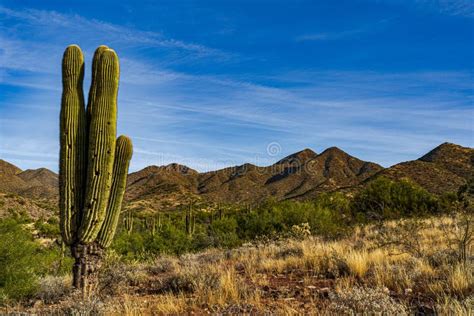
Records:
x=190, y=221
x=93, y=163
x=128, y=222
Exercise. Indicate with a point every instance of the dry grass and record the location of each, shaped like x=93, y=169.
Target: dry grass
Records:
x=358, y=274
x=460, y=279
x=358, y=262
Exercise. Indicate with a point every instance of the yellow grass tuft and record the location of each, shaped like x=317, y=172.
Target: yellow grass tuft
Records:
x=460, y=279
x=358, y=262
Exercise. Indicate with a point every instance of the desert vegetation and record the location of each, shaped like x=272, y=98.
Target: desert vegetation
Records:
x=329, y=255
x=421, y=269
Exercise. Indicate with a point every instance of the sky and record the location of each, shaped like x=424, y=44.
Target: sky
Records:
x=211, y=84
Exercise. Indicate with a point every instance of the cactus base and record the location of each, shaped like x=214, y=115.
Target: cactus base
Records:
x=88, y=261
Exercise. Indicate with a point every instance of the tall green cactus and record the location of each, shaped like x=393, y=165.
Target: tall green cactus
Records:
x=72, y=163
x=93, y=163
x=128, y=222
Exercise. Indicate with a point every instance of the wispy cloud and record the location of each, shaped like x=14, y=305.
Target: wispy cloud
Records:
x=51, y=21
x=463, y=8
x=345, y=34
x=210, y=121
x=460, y=8
x=328, y=36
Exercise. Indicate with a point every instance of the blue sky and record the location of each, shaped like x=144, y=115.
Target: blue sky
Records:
x=217, y=83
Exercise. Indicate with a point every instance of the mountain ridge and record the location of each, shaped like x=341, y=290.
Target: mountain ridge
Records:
x=301, y=175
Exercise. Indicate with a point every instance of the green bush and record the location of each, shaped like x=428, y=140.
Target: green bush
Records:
x=23, y=261
x=49, y=228
x=328, y=215
x=384, y=198
x=224, y=232
x=170, y=240
x=17, y=254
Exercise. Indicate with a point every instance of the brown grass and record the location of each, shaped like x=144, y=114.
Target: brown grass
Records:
x=358, y=274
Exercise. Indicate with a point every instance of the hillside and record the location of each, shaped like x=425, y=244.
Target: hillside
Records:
x=292, y=176
x=9, y=181
x=443, y=169
x=31, y=183
x=302, y=175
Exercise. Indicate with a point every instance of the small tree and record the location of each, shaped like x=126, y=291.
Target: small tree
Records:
x=384, y=198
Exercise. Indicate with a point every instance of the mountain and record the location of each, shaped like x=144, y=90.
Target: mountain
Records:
x=41, y=183
x=31, y=183
x=32, y=192
x=9, y=182
x=160, y=187
x=454, y=158
x=41, y=176
x=7, y=169
x=299, y=157
x=302, y=175
x=443, y=169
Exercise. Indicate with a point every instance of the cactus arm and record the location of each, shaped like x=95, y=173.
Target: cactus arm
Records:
x=123, y=154
x=72, y=161
x=101, y=149
x=94, y=80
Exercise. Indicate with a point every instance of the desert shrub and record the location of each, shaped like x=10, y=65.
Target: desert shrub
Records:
x=333, y=266
x=116, y=276
x=224, y=232
x=336, y=201
x=300, y=231
x=262, y=221
x=17, y=278
x=49, y=228
x=23, y=261
x=289, y=250
x=327, y=216
x=51, y=288
x=360, y=300
x=327, y=222
x=170, y=240
x=139, y=244
x=384, y=198
x=177, y=283
x=83, y=307
x=129, y=244
x=190, y=279
x=163, y=264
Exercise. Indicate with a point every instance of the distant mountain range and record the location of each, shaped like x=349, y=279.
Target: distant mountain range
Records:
x=301, y=175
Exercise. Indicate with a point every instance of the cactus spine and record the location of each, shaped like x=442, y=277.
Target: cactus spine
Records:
x=93, y=163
